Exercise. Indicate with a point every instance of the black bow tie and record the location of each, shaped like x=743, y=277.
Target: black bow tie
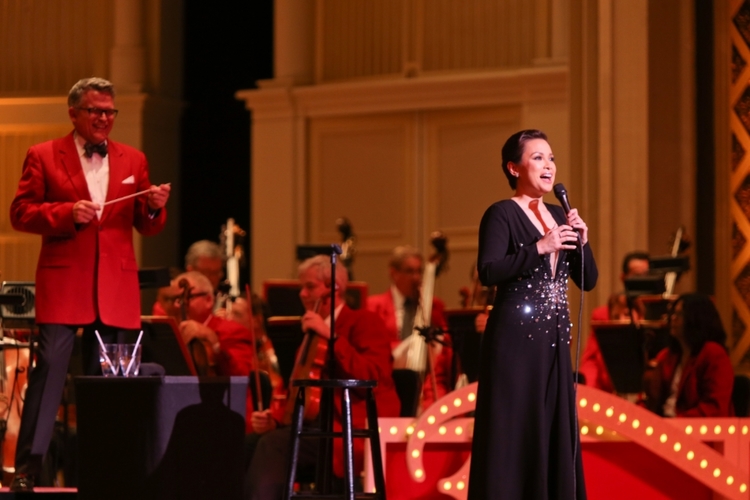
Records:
x=90, y=149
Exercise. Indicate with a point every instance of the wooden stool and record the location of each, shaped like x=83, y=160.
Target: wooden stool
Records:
x=347, y=433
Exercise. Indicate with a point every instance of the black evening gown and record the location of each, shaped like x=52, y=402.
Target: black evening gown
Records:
x=525, y=433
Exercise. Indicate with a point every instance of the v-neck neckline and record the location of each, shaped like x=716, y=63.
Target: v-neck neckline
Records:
x=539, y=234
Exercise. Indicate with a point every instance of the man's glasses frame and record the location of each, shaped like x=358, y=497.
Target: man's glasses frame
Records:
x=109, y=113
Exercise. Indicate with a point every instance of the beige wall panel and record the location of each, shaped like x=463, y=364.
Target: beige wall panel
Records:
x=47, y=45
x=362, y=168
x=18, y=251
x=463, y=177
x=371, y=266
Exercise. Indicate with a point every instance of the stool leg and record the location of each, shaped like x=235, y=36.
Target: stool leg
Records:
x=346, y=425
x=377, y=457
x=296, y=430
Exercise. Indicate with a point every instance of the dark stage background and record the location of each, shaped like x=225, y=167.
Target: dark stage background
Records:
x=225, y=50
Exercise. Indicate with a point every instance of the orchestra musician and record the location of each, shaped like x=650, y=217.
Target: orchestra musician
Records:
x=362, y=351
x=228, y=341
x=397, y=308
x=693, y=377
x=592, y=366
x=203, y=256
x=255, y=317
x=87, y=275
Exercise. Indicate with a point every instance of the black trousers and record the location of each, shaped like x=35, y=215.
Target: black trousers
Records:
x=46, y=384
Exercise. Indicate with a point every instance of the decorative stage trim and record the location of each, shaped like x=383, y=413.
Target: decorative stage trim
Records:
x=603, y=417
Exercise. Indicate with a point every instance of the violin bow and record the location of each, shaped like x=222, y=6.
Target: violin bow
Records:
x=258, y=393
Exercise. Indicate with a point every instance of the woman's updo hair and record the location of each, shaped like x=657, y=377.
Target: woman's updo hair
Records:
x=513, y=150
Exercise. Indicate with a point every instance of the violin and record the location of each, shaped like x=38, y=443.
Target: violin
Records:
x=202, y=355
x=310, y=363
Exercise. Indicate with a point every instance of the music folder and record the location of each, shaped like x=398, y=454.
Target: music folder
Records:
x=621, y=345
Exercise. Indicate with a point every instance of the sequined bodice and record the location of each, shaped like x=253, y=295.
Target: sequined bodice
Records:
x=537, y=303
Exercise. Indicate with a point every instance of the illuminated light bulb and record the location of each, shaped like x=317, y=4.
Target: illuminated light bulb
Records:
x=704, y=429
x=410, y=430
x=471, y=397
x=431, y=419
x=459, y=431
x=730, y=480
x=442, y=430
x=677, y=447
x=743, y=488
x=704, y=463
x=583, y=403
x=732, y=429
x=599, y=430
x=717, y=429
x=636, y=423
x=649, y=430
x=447, y=485
x=585, y=430
x=663, y=438
x=690, y=455
x=689, y=429
x=457, y=402
x=596, y=407
x=444, y=409
x=394, y=430
x=415, y=454
x=717, y=472
x=420, y=434
x=460, y=485
x=418, y=473
x=623, y=418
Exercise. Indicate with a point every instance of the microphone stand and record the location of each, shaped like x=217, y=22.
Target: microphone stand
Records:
x=325, y=472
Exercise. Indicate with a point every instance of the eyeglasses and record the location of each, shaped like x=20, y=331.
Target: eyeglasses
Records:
x=98, y=112
x=176, y=298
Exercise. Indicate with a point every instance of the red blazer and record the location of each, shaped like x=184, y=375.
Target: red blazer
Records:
x=84, y=270
x=383, y=305
x=592, y=363
x=362, y=351
x=705, y=388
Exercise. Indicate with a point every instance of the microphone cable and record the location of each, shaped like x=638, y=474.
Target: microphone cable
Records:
x=577, y=440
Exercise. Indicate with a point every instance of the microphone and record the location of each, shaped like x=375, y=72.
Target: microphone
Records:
x=562, y=196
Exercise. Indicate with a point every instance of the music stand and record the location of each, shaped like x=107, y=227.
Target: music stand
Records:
x=621, y=345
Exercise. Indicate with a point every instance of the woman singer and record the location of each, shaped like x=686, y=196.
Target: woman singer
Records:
x=526, y=443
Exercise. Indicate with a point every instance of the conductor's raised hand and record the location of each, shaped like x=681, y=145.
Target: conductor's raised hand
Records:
x=560, y=238
x=158, y=196
x=84, y=211
x=575, y=221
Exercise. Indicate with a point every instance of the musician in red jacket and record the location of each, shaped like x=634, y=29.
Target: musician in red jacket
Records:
x=397, y=308
x=87, y=275
x=362, y=351
x=693, y=377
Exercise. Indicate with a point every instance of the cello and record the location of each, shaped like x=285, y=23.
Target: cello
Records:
x=310, y=363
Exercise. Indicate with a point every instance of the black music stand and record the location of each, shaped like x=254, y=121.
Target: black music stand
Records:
x=621, y=344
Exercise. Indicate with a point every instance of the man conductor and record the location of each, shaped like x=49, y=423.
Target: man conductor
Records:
x=87, y=274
